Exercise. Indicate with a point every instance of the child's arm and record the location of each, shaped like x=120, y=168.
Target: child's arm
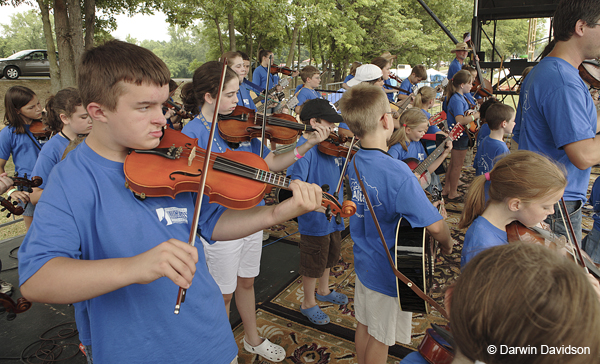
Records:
x=440, y=232
x=66, y=280
x=234, y=224
x=441, y=158
x=465, y=120
x=35, y=195
x=2, y=165
x=5, y=182
x=278, y=163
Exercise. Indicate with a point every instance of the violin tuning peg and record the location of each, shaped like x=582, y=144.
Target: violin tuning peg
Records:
x=2, y=210
x=8, y=215
x=325, y=188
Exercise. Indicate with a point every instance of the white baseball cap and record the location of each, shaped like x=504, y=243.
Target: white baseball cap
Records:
x=366, y=72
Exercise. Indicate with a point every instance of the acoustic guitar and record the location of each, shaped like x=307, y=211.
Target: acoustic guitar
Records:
x=414, y=253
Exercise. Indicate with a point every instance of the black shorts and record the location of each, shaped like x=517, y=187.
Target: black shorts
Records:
x=461, y=143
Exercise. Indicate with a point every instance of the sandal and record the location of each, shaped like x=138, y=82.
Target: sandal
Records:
x=315, y=315
x=268, y=350
x=334, y=297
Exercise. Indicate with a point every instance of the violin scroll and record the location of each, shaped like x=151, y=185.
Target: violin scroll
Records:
x=26, y=184
x=12, y=207
x=13, y=308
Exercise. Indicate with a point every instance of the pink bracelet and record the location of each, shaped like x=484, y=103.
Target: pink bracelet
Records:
x=297, y=155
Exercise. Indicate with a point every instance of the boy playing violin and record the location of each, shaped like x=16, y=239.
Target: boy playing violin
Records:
x=320, y=241
x=395, y=194
x=120, y=255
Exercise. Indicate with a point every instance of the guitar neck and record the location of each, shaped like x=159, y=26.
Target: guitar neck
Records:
x=422, y=167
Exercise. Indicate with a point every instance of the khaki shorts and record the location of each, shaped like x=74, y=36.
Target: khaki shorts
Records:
x=318, y=253
x=382, y=315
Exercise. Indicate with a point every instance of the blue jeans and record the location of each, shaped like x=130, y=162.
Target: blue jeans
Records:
x=591, y=245
x=88, y=354
x=556, y=222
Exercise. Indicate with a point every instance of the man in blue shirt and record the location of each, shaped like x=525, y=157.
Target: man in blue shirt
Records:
x=556, y=115
x=460, y=51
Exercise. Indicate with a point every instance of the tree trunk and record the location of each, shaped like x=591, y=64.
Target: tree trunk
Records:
x=231, y=24
x=290, y=58
x=90, y=19
x=76, y=26
x=216, y=19
x=55, y=84
x=63, y=40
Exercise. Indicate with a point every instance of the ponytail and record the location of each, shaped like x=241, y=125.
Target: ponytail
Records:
x=424, y=96
x=460, y=77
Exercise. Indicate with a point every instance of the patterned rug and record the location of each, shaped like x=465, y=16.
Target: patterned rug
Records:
x=280, y=320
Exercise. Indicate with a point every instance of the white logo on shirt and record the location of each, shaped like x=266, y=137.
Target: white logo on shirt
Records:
x=338, y=162
x=173, y=215
x=358, y=197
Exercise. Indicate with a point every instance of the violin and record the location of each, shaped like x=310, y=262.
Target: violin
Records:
x=178, y=109
x=244, y=124
x=435, y=349
x=12, y=207
x=39, y=130
x=25, y=184
x=281, y=69
x=13, y=308
x=335, y=146
x=516, y=231
x=589, y=71
x=236, y=180
x=481, y=86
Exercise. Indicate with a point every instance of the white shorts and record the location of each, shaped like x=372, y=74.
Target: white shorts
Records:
x=382, y=315
x=230, y=259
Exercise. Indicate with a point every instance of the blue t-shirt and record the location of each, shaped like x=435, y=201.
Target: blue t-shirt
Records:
x=49, y=156
x=307, y=94
x=322, y=169
x=414, y=358
x=556, y=109
x=22, y=148
x=391, y=94
x=455, y=66
x=348, y=78
x=244, y=98
x=483, y=132
x=595, y=202
x=470, y=99
x=76, y=219
x=395, y=193
x=343, y=126
x=480, y=236
x=406, y=85
x=415, y=150
x=259, y=77
x=457, y=106
x=334, y=97
x=486, y=155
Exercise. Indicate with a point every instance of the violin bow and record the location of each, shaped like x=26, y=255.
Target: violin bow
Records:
x=194, y=228
x=264, y=121
x=575, y=246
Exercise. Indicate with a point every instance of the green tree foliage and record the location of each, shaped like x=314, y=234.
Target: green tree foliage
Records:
x=23, y=32
x=185, y=48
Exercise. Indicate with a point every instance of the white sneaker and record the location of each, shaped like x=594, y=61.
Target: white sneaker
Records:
x=267, y=350
x=5, y=287
x=266, y=235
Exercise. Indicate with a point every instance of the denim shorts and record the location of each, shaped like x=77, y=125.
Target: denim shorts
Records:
x=28, y=207
x=461, y=143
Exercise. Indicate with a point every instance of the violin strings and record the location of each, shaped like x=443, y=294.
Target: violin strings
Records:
x=240, y=169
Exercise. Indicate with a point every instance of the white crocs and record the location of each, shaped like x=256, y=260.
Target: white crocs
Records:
x=267, y=350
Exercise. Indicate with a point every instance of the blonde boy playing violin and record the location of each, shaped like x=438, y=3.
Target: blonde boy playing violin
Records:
x=126, y=258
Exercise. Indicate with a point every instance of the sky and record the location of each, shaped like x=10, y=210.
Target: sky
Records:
x=140, y=27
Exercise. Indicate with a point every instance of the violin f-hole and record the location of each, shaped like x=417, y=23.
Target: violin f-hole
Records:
x=185, y=174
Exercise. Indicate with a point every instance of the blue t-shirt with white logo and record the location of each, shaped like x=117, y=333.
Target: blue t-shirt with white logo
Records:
x=487, y=153
x=480, y=236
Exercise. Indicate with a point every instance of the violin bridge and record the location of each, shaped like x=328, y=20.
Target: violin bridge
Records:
x=192, y=156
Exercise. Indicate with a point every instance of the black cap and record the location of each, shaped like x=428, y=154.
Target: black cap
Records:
x=320, y=108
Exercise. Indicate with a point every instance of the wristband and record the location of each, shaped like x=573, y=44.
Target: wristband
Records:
x=472, y=117
x=11, y=191
x=297, y=155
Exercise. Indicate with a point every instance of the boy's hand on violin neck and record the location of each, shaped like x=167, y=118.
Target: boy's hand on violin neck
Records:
x=173, y=259
x=321, y=133
x=307, y=197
